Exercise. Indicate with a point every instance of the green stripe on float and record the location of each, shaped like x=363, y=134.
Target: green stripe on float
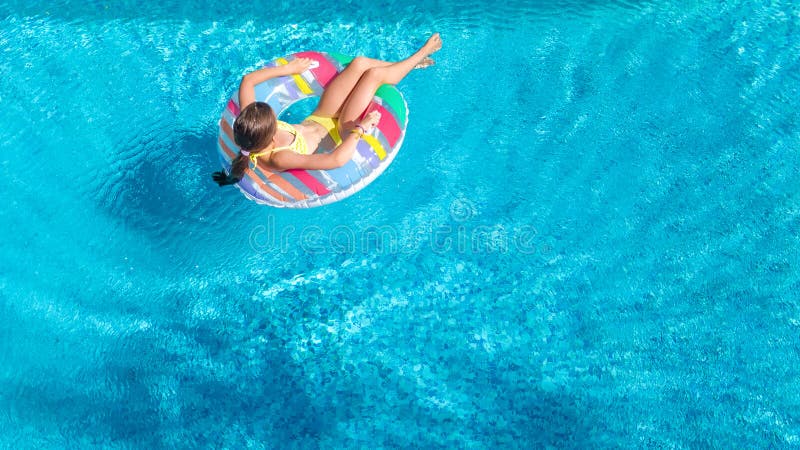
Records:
x=391, y=95
x=341, y=59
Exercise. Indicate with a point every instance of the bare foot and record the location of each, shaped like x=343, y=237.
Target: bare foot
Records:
x=426, y=62
x=432, y=46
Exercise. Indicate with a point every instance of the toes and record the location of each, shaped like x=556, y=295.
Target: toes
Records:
x=426, y=62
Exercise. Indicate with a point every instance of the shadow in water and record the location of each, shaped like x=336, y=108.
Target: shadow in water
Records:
x=161, y=185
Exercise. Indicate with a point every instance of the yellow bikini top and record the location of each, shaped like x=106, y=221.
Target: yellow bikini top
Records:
x=298, y=145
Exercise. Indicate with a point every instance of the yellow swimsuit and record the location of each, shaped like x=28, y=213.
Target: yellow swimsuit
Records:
x=329, y=124
x=299, y=144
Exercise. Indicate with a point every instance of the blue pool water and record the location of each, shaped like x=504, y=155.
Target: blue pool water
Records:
x=589, y=238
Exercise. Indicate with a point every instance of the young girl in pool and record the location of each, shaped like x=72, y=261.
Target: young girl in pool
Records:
x=263, y=138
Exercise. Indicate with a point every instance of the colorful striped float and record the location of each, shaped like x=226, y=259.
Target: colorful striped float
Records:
x=299, y=188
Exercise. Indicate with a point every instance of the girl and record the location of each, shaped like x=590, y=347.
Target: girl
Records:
x=262, y=138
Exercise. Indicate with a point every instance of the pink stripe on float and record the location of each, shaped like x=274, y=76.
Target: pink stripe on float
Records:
x=387, y=125
x=233, y=108
x=310, y=182
x=325, y=72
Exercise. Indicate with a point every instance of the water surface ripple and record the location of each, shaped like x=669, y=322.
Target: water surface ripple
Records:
x=589, y=238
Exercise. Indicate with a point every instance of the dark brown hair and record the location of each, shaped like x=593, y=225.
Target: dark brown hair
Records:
x=255, y=127
x=252, y=131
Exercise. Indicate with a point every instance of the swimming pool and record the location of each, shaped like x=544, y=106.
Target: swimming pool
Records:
x=588, y=239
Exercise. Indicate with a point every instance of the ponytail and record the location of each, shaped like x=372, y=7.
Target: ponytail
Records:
x=238, y=167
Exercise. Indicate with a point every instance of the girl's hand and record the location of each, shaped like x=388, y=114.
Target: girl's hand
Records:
x=371, y=120
x=299, y=65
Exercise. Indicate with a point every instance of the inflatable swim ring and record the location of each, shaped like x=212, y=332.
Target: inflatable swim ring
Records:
x=300, y=188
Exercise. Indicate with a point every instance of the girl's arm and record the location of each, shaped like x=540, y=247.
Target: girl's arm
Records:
x=247, y=92
x=324, y=161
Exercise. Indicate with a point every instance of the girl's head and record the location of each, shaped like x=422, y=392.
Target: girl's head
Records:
x=255, y=127
x=253, y=131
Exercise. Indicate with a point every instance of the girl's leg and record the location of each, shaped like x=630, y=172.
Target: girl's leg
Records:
x=339, y=88
x=358, y=100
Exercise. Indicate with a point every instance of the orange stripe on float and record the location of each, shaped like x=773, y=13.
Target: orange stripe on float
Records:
x=227, y=129
x=253, y=175
x=276, y=179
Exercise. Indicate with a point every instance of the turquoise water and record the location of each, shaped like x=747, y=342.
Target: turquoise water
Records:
x=589, y=238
